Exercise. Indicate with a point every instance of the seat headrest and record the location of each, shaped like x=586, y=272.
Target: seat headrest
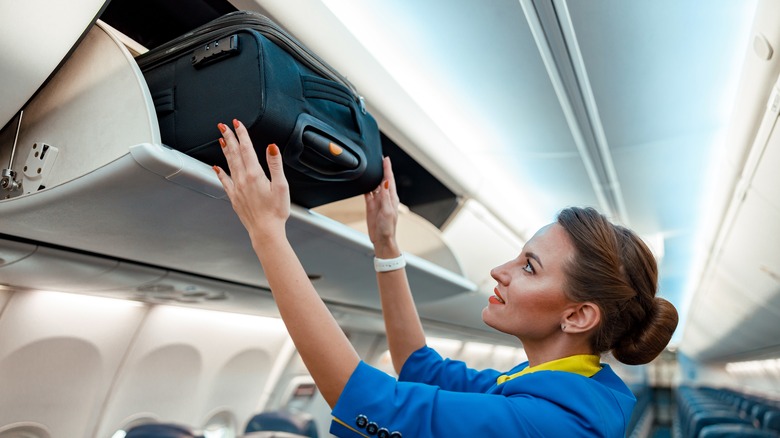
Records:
x=732, y=430
x=272, y=434
x=299, y=423
x=161, y=430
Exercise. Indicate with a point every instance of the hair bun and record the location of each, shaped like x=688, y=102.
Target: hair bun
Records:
x=644, y=344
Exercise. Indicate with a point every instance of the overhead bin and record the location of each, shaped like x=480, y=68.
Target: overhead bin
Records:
x=116, y=192
x=743, y=274
x=37, y=35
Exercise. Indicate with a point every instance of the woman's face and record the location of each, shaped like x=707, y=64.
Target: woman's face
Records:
x=529, y=301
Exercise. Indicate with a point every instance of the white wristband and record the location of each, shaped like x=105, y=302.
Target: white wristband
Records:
x=386, y=265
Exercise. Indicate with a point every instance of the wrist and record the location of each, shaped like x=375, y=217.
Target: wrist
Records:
x=387, y=265
x=268, y=239
x=386, y=250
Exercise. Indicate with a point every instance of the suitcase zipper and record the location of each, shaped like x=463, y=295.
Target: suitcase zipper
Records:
x=241, y=20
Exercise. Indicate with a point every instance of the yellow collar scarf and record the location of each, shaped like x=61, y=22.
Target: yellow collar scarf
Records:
x=583, y=364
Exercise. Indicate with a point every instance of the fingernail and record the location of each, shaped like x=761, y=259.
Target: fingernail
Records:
x=216, y=169
x=387, y=184
x=222, y=127
x=273, y=149
x=222, y=142
x=236, y=123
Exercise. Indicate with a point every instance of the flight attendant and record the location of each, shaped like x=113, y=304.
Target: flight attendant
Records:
x=580, y=287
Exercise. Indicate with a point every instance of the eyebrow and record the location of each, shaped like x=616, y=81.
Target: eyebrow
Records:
x=535, y=257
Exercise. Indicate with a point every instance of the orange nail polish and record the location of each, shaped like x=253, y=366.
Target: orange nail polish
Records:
x=216, y=169
x=222, y=142
x=273, y=149
x=387, y=184
x=222, y=127
x=236, y=123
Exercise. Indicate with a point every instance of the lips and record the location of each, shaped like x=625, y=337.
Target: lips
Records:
x=497, y=297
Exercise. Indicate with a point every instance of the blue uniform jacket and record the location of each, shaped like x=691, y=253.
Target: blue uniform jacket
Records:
x=434, y=397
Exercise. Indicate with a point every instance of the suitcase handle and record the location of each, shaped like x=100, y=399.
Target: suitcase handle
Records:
x=328, y=149
x=315, y=150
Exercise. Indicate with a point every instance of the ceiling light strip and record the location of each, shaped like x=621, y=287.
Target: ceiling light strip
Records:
x=586, y=92
x=552, y=45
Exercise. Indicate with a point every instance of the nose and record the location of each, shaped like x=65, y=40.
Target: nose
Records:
x=499, y=273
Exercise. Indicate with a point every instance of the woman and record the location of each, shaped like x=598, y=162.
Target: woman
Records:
x=580, y=287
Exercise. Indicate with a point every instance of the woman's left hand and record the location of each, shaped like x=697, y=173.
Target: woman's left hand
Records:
x=262, y=204
x=382, y=214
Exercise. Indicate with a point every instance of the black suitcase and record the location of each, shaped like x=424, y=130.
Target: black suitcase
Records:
x=244, y=66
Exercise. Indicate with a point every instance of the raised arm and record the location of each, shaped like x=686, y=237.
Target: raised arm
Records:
x=263, y=206
x=404, y=331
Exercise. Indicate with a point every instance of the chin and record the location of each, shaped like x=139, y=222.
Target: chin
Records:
x=493, y=321
x=486, y=317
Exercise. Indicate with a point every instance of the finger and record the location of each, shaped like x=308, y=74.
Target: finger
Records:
x=229, y=145
x=246, y=150
x=371, y=200
x=389, y=182
x=387, y=169
x=375, y=191
x=224, y=178
x=387, y=195
x=274, y=160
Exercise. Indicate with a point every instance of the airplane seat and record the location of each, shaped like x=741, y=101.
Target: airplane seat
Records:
x=687, y=416
x=743, y=405
x=700, y=420
x=734, y=430
x=689, y=397
x=162, y=430
x=699, y=407
x=771, y=420
x=747, y=405
x=299, y=423
x=757, y=413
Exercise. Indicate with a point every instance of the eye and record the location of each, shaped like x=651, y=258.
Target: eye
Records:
x=528, y=267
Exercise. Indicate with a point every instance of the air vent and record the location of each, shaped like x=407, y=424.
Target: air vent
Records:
x=167, y=293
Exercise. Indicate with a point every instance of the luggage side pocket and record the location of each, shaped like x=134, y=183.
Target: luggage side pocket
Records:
x=333, y=103
x=163, y=102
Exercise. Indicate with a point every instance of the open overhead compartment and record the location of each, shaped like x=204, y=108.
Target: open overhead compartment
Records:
x=117, y=200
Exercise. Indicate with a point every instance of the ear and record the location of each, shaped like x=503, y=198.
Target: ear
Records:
x=581, y=318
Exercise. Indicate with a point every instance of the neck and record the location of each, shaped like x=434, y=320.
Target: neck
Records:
x=546, y=351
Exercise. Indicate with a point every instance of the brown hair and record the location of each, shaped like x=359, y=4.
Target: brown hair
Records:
x=614, y=269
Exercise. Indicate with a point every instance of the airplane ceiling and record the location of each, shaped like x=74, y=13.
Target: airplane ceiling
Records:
x=613, y=104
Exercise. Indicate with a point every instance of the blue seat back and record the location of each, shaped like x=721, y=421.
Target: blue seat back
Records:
x=700, y=420
x=283, y=421
x=161, y=430
x=771, y=420
x=734, y=431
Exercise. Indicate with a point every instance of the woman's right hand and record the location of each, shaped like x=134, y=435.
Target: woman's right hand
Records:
x=405, y=334
x=382, y=214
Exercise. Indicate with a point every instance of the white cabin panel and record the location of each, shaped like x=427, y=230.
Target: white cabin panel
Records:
x=58, y=357
x=5, y=295
x=37, y=35
x=189, y=364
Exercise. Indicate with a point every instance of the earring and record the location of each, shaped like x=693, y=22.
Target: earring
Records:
x=563, y=327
